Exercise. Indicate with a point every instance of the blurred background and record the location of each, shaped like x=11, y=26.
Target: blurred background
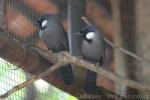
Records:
x=123, y=22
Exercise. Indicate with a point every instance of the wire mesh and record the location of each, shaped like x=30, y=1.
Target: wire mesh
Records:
x=20, y=17
x=40, y=90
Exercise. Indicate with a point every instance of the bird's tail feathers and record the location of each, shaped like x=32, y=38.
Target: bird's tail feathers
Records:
x=67, y=74
x=90, y=82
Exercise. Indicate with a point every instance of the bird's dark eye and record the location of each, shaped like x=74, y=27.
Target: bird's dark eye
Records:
x=82, y=31
x=87, y=35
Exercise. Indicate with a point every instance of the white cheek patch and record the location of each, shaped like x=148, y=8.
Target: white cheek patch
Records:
x=44, y=23
x=90, y=35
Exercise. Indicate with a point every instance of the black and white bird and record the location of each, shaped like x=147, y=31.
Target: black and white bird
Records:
x=93, y=50
x=52, y=33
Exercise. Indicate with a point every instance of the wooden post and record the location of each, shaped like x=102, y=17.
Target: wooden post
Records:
x=124, y=18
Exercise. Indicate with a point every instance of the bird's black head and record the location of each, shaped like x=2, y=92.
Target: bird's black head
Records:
x=42, y=22
x=87, y=34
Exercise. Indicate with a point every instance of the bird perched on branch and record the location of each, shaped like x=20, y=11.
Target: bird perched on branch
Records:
x=52, y=33
x=93, y=50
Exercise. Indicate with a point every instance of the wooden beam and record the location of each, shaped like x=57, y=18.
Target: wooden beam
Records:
x=32, y=63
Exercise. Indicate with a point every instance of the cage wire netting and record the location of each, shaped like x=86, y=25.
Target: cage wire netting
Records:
x=40, y=90
x=19, y=16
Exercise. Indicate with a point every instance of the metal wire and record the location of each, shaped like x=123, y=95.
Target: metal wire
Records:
x=18, y=14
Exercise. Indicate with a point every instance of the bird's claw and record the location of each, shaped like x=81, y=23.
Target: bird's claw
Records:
x=97, y=65
x=80, y=57
x=50, y=51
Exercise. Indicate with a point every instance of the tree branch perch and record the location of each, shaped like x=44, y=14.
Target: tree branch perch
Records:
x=66, y=57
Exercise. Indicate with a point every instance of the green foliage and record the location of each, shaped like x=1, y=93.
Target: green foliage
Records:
x=9, y=78
x=69, y=97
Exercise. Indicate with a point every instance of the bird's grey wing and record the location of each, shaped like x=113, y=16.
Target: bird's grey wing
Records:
x=65, y=44
x=90, y=82
x=65, y=41
x=64, y=37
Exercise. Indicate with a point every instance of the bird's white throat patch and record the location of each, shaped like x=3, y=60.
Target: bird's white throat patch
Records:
x=90, y=35
x=44, y=23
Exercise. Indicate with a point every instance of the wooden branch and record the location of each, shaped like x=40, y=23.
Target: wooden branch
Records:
x=33, y=79
x=66, y=57
x=31, y=62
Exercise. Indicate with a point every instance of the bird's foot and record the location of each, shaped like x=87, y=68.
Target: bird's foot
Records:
x=80, y=57
x=50, y=51
x=97, y=65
